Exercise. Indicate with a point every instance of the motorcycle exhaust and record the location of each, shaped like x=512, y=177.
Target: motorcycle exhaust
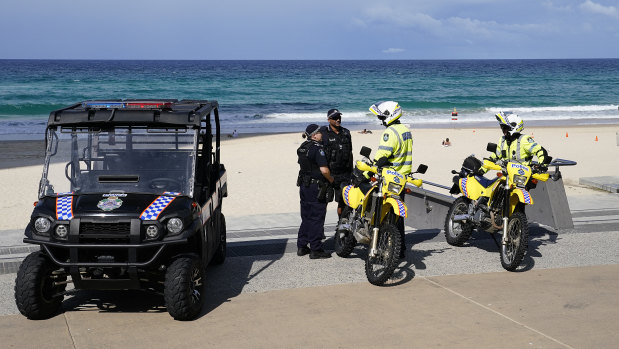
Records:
x=462, y=217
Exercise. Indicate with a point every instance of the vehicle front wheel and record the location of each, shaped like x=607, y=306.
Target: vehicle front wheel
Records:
x=457, y=233
x=183, y=288
x=378, y=269
x=344, y=241
x=515, y=246
x=37, y=294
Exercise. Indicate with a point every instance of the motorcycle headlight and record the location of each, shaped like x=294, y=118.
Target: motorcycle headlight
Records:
x=394, y=188
x=520, y=181
x=175, y=225
x=42, y=225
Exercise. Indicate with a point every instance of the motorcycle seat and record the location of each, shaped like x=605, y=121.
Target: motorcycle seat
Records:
x=365, y=187
x=485, y=182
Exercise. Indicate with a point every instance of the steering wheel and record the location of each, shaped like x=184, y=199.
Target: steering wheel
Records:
x=169, y=184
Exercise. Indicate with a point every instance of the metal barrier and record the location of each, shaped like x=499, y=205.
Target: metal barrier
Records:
x=428, y=209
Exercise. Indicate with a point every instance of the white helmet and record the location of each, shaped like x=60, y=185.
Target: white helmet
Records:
x=387, y=112
x=511, y=121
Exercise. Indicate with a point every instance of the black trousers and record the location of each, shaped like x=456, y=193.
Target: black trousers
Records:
x=313, y=214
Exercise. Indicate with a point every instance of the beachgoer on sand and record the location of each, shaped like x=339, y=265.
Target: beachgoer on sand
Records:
x=314, y=178
x=396, y=147
x=337, y=143
x=446, y=143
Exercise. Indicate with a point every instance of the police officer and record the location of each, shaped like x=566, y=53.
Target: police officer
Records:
x=518, y=147
x=396, y=147
x=338, y=149
x=313, y=181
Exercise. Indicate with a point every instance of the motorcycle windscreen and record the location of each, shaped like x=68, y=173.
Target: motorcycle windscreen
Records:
x=352, y=196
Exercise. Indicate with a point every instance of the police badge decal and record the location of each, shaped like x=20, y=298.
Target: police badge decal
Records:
x=110, y=203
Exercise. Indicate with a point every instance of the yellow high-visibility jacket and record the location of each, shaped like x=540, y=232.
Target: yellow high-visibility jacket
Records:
x=521, y=150
x=396, y=144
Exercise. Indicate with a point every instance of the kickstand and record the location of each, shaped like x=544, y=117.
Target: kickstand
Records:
x=496, y=242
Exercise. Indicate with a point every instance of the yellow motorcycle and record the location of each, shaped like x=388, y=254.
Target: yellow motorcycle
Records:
x=370, y=217
x=494, y=205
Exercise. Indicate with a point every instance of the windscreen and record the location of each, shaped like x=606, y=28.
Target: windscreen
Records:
x=122, y=159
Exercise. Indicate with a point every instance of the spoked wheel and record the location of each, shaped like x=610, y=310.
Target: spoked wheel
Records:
x=183, y=290
x=513, y=250
x=38, y=289
x=344, y=240
x=457, y=233
x=378, y=269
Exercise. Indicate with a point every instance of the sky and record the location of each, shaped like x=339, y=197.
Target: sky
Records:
x=309, y=29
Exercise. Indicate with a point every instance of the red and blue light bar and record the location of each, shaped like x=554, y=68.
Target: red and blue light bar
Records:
x=127, y=105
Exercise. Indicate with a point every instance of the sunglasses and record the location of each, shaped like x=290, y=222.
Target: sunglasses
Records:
x=337, y=117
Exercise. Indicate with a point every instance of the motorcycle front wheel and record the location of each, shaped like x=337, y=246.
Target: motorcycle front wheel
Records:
x=378, y=269
x=457, y=233
x=344, y=241
x=513, y=250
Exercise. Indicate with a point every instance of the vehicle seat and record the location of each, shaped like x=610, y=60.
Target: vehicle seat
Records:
x=485, y=182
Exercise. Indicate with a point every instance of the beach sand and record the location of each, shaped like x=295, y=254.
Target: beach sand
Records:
x=262, y=169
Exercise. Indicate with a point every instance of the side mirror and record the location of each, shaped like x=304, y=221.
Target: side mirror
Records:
x=491, y=147
x=422, y=169
x=365, y=151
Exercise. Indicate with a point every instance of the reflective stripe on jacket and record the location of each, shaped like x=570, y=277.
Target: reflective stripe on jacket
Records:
x=396, y=144
x=521, y=150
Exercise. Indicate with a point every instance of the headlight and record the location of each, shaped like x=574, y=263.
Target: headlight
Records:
x=62, y=231
x=520, y=181
x=175, y=225
x=152, y=232
x=42, y=225
x=394, y=188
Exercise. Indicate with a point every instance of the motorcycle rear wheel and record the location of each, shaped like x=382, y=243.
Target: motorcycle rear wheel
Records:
x=457, y=233
x=378, y=269
x=512, y=252
x=344, y=241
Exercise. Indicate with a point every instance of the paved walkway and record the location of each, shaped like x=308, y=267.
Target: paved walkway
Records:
x=565, y=295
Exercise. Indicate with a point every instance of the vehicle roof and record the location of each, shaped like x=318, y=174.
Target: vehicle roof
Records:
x=183, y=113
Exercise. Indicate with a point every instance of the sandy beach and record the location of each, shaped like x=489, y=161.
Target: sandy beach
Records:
x=262, y=169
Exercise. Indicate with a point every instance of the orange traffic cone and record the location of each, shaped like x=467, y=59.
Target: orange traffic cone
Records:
x=596, y=138
x=565, y=134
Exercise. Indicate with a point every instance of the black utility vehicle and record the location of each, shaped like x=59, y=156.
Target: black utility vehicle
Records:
x=130, y=198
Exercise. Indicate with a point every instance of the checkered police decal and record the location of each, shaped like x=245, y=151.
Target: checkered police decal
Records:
x=153, y=210
x=64, y=206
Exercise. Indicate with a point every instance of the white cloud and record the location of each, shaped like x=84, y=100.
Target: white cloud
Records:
x=593, y=7
x=392, y=50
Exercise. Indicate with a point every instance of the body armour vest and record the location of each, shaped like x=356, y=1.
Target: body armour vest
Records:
x=338, y=149
x=307, y=166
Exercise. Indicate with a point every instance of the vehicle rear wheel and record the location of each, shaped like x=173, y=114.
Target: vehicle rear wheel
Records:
x=344, y=240
x=513, y=250
x=183, y=288
x=378, y=269
x=220, y=254
x=36, y=295
x=457, y=233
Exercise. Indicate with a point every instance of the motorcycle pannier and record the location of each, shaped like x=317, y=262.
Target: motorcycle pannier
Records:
x=471, y=164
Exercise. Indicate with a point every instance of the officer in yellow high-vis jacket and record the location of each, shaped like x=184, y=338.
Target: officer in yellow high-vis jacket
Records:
x=396, y=147
x=518, y=147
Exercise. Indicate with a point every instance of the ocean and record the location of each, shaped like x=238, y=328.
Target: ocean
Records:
x=284, y=96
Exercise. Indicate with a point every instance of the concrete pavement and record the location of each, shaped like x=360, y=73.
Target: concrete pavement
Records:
x=265, y=296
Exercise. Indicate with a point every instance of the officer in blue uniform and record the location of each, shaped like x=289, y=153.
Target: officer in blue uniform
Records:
x=313, y=181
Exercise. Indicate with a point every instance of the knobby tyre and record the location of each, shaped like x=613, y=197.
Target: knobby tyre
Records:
x=36, y=295
x=514, y=249
x=379, y=269
x=183, y=288
x=344, y=241
x=220, y=254
x=457, y=233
